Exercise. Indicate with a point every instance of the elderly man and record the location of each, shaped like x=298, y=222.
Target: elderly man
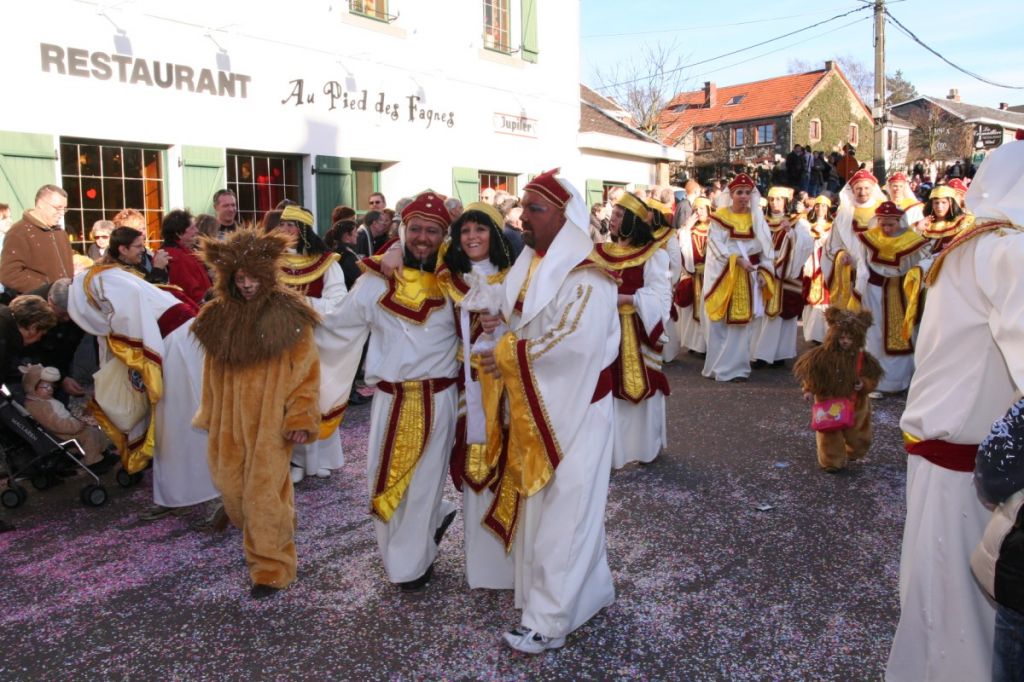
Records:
x=36, y=250
x=555, y=365
x=411, y=360
x=970, y=369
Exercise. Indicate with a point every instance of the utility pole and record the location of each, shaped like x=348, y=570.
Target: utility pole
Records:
x=878, y=111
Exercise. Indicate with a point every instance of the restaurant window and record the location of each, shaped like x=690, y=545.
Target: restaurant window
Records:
x=260, y=181
x=499, y=182
x=102, y=178
x=765, y=134
x=609, y=186
x=496, y=25
x=367, y=176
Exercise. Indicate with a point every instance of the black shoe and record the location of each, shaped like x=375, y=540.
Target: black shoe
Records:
x=263, y=591
x=357, y=398
x=4, y=526
x=779, y=364
x=445, y=522
x=759, y=364
x=419, y=583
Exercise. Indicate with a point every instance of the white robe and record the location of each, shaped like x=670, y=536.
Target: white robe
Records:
x=970, y=369
x=640, y=431
x=131, y=307
x=691, y=332
x=774, y=338
x=814, y=315
x=672, y=344
x=561, y=566
x=401, y=350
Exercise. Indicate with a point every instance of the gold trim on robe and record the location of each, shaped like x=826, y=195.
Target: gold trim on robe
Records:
x=410, y=422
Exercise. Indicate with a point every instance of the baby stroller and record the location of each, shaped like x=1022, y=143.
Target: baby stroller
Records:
x=27, y=450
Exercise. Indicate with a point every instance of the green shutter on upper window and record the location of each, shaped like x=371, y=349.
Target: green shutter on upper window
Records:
x=595, y=192
x=203, y=172
x=26, y=164
x=530, y=50
x=334, y=187
x=466, y=184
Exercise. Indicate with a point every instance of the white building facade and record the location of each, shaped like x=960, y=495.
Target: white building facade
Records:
x=156, y=105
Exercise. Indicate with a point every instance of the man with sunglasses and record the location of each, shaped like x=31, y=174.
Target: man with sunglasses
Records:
x=36, y=249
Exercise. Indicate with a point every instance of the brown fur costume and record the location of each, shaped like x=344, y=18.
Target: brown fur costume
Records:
x=828, y=371
x=261, y=380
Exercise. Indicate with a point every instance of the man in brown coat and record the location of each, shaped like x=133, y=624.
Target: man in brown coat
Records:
x=36, y=249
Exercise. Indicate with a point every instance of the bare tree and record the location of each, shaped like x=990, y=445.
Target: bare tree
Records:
x=937, y=134
x=644, y=86
x=861, y=78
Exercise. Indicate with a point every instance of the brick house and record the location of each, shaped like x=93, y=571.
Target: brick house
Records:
x=741, y=125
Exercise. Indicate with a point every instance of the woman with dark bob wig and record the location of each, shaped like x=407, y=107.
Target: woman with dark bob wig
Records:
x=471, y=275
x=637, y=253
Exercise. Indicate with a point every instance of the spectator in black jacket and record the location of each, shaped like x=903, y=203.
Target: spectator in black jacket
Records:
x=373, y=234
x=341, y=239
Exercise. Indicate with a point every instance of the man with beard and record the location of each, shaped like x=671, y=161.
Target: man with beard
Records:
x=411, y=360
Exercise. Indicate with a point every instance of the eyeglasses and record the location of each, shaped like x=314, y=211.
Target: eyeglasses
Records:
x=102, y=237
x=58, y=209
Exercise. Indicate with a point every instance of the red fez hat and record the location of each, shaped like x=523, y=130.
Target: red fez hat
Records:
x=889, y=209
x=862, y=174
x=741, y=180
x=898, y=177
x=957, y=185
x=429, y=206
x=550, y=188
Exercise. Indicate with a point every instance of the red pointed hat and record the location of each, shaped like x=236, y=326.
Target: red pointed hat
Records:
x=862, y=174
x=741, y=180
x=429, y=206
x=549, y=187
x=898, y=177
x=887, y=208
x=957, y=185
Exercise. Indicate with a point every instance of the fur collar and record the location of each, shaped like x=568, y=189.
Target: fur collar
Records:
x=239, y=332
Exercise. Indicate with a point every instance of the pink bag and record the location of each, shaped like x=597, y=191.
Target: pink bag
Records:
x=835, y=414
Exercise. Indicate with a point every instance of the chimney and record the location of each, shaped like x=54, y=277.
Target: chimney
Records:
x=954, y=95
x=1003, y=106
x=829, y=65
x=710, y=93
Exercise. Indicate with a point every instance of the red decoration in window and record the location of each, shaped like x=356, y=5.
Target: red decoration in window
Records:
x=90, y=193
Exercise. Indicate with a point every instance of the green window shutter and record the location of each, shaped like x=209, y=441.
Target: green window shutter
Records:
x=595, y=192
x=466, y=185
x=529, y=44
x=26, y=164
x=334, y=187
x=203, y=173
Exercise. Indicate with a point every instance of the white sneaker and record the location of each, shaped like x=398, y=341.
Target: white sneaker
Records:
x=526, y=640
x=323, y=473
x=298, y=473
x=876, y=395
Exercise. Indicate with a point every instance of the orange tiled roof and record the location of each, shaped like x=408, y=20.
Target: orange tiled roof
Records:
x=761, y=99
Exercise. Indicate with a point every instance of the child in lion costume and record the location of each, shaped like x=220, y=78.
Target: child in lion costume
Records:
x=830, y=371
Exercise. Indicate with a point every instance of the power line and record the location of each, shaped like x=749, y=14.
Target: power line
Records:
x=742, y=49
x=701, y=28
x=920, y=42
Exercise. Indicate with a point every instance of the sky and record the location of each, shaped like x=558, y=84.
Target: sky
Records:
x=982, y=36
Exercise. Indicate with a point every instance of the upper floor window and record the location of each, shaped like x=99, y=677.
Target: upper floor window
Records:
x=375, y=9
x=815, y=131
x=735, y=99
x=738, y=137
x=706, y=140
x=496, y=26
x=764, y=134
x=854, y=134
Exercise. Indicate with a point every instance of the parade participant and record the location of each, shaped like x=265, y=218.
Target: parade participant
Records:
x=689, y=292
x=411, y=360
x=900, y=193
x=474, y=268
x=185, y=271
x=645, y=296
x=970, y=369
x=774, y=334
x=885, y=254
x=309, y=269
x=660, y=219
x=816, y=292
x=857, y=203
x=555, y=365
x=258, y=338
x=738, y=280
x=943, y=218
x=148, y=329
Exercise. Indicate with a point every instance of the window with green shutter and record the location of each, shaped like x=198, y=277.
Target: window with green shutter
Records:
x=466, y=184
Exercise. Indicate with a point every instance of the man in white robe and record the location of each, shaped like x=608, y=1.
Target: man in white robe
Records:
x=411, y=361
x=970, y=367
x=555, y=363
x=148, y=329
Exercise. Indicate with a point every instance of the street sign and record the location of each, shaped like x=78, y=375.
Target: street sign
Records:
x=988, y=136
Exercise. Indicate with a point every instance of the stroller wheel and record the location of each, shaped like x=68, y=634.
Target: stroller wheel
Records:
x=93, y=495
x=13, y=497
x=124, y=479
x=41, y=481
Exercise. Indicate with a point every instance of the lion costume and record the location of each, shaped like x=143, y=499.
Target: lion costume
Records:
x=828, y=371
x=260, y=381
